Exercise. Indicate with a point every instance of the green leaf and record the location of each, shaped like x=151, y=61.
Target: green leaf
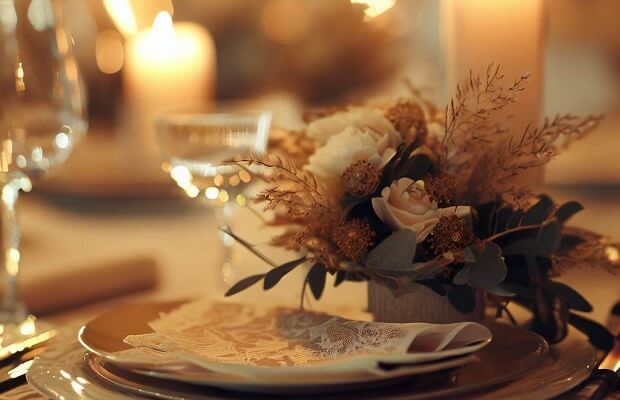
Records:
x=567, y=210
x=251, y=248
x=572, y=298
x=596, y=333
x=395, y=253
x=462, y=298
x=316, y=280
x=341, y=276
x=244, y=284
x=273, y=277
x=502, y=290
x=515, y=219
x=489, y=269
x=568, y=242
x=416, y=167
x=523, y=246
x=539, y=212
x=549, y=237
x=468, y=255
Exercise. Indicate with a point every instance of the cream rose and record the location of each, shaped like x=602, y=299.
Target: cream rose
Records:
x=365, y=119
x=405, y=204
x=340, y=151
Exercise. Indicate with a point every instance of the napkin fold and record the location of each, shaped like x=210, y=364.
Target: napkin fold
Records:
x=77, y=286
x=254, y=340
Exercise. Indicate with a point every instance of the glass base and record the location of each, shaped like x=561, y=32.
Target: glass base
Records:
x=15, y=314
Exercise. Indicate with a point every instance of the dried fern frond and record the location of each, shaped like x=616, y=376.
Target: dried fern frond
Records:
x=469, y=114
x=496, y=169
x=296, y=146
x=594, y=252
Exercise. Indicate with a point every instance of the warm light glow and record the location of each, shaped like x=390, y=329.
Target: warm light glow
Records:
x=12, y=261
x=28, y=327
x=245, y=176
x=285, y=21
x=20, y=86
x=211, y=193
x=218, y=180
x=224, y=197
x=109, y=52
x=612, y=253
x=163, y=30
x=374, y=8
x=122, y=15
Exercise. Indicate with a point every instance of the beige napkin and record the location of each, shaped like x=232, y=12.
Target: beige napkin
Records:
x=77, y=286
x=250, y=340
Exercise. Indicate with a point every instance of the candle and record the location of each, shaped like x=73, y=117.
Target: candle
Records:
x=167, y=66
x=508, y=32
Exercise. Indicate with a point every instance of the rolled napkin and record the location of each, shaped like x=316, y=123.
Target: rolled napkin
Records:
x=78, y=286
x=254, y=341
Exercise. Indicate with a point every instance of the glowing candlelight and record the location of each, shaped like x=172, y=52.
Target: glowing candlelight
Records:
x=167, y=66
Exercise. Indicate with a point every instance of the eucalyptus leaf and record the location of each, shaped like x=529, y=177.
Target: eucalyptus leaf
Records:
x=416, y=167
x=316, y=280
x=539, y=212
x=573, y=299
x=244, y=284
x=273, y=277
x=523, y=246
x=395, y=253
x=502, y=290
x=462, y=298
x=341, y=276
x=461, y=277
x=597, y=334
x=567, y=210
x=468, y=255
x=549, y=237
x=568, y=242
x=515, y=219
x=489, y=269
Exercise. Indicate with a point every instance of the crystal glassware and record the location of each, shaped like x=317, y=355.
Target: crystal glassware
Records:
x=42, y=114
x=196, y=146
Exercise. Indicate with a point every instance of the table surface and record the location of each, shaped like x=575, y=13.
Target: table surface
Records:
x=182, y=237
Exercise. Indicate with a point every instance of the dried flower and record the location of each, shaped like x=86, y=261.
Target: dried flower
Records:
x=441, y=188
x=353, y=238
x=451, y=234
x=407, y=117
x=360, y=179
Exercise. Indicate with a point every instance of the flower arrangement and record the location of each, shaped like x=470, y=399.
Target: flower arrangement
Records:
x=406, y=193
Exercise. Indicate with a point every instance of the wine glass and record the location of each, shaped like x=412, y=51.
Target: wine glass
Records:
x=195, y=146
x=42, y=114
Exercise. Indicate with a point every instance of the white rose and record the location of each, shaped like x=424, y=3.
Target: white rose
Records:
x=406, y=205
x=340, y=151
x=368, y=120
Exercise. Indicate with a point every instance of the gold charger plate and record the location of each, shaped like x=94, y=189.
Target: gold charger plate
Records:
x=513, y=353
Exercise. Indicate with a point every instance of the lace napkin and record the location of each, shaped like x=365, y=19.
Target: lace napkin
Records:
x=251, y=340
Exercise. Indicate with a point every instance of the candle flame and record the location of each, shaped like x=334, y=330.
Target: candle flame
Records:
x=374, y=8
x=122, y=15
x=163, y=30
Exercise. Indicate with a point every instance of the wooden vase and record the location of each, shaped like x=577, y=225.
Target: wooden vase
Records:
x=420, y=304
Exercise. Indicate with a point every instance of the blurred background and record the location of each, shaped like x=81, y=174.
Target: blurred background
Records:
x=296, y=54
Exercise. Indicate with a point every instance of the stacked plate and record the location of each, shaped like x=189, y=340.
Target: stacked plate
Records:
x=100, y=364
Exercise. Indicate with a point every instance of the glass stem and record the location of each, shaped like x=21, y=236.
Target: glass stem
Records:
x=12, y=309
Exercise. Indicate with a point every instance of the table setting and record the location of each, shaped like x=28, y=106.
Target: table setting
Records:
x=389, y=244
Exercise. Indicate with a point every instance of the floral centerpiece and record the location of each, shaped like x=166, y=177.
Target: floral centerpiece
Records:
x=406, y=194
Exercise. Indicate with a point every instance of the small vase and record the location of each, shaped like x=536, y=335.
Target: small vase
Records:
x=420, y=304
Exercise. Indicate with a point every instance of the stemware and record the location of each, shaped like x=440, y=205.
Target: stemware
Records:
x=42, y=114
x=195, y=146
